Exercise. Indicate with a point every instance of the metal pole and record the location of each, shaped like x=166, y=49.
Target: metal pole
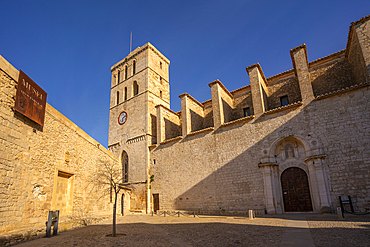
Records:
x=340, y=213
x=48, y=227
x=130, y=41
x=55, y=229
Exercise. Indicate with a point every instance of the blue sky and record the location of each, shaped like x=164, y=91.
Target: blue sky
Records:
x=68, y=47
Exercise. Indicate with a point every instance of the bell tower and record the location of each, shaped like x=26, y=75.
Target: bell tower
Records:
x=140, y=81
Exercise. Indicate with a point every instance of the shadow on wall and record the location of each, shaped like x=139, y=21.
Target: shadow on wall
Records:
x=172, y=130
x=239, y=184
x=153, y=122
x=28, y=122
x=196, y=121
x=330, y=78
x=288, y=87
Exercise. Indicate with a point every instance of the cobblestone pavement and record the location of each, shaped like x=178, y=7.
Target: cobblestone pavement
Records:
x=327, y=230
x=146, y=230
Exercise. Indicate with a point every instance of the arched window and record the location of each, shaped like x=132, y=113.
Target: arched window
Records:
x=117, y=99
x=125, y=93
x=134, y=67
x=125, y=72
x=118, y=75
x=124, y=160
x=135, y=88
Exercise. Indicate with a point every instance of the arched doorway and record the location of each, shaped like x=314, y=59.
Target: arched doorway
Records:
x=296, y=191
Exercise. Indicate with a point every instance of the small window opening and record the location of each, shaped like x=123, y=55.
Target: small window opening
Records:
x=247, y=112
x=125, y=72
x=284, y=100
x=160, y=65
x=134, y=67
x=136, y=88
x=160, y=94
x=118, y=76
x=154, y=161
x=117, y=98
x=125, y=93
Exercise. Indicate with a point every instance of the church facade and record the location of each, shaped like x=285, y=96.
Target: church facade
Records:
x=293, y=142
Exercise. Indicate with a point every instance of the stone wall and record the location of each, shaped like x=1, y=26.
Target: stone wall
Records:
x=218, y=170
x=237, y=165
x=45, y=168
x=242, y=99
x=284, y=85
x=331, y=75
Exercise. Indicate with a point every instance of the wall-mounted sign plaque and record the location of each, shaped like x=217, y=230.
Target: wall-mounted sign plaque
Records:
x=122, y=118
x=30, y=99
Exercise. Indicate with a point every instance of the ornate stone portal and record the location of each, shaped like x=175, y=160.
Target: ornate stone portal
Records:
x=294, y=151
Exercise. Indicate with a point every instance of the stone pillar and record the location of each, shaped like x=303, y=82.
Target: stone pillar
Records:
x=185, y=115
x=258, y=88
x=270, y=178
x=220, y=95
x=300, y=64
x=319, y=182
x=358, y=50
x=322, y=181
x=363, y=35
x=160, y=124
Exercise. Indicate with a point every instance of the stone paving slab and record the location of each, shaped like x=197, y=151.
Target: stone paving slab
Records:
x=147, y=230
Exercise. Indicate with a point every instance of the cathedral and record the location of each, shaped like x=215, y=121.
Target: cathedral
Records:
x=292, y=142
x=297, y=141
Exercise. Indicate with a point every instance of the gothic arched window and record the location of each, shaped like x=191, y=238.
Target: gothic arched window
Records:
x=134, y=67
x=125, y=95
x=117, y=99
x=124, y=160
x=125, y=72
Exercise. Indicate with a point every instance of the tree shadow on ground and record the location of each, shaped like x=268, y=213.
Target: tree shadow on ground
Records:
x=224, y=231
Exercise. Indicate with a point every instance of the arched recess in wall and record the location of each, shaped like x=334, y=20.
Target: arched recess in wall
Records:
x=124, y=160
x=117, y=99
x=295, y=151
x=134, y=67
x=125, y=94
x=125, y=72
x=118, y=76
x=135, y=88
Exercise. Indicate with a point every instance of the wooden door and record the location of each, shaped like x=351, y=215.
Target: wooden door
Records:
x=296, y=192
x=155, y=202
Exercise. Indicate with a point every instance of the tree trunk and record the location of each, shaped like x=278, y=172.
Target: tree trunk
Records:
x=114, y=216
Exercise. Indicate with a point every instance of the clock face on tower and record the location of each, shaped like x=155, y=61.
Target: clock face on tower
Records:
x=122, y=118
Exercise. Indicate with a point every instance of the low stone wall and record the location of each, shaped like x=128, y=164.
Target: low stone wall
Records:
x=46, y=168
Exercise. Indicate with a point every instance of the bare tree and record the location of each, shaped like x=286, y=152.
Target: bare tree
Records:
x=106, y=181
